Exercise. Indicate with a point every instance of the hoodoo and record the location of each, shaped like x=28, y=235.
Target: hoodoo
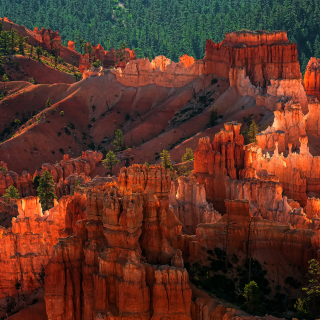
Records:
x=226, y=203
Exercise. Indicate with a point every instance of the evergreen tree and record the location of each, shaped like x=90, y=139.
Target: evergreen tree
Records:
x=11, y=193
x=253, y=131
x=38, y=52
x=5, y=79
x=46, y=190
x=213, y=117
x=21, y=43
x=118, y=142
x=252, y=295
x=110, y=161
x=317, y=47
x=313, y=288
x=165, y=160
x=188, y=156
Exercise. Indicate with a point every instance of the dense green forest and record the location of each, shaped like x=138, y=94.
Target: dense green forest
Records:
x=172, y=28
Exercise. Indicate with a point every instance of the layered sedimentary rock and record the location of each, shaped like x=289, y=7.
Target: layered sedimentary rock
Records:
x=65, y=174
x=312, y=119
x=288, y=126
x=86, y=163
x=28, y=246
x=160, y=71
x=190, y=205
x=224, y=155
x=312, y=77
x=48, y=39
x=118, y=58
x=277, y=93
x=297, y=246
x=104, y=272
x=84, y=63
x=298, y=173
x=264, y=55
x=256, y=177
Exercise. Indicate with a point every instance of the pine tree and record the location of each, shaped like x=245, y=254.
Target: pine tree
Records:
x=38, y=52
x=213, y=117
x=118, y=142
x=5, y=79
x=317, y=47
x=188, y=156
x=21, y=44
x=313, y=288
x=110, y=161
x=46, y=190
x=165, y=160
x=252, y=294
x=11, y=193
x=253, y=131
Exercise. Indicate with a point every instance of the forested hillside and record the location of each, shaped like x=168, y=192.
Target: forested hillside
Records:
x=172, y=28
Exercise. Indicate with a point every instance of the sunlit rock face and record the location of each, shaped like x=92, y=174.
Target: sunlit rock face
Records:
x=106, y=270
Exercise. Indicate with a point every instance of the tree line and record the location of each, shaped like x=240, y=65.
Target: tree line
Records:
x=171, y=28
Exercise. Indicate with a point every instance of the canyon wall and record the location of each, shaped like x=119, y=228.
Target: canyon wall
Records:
x=296, y=246
x=28, y=245
x=65, y=174
x=264, y=56
x=107, y=271
x=160, y=71
x=312, y=78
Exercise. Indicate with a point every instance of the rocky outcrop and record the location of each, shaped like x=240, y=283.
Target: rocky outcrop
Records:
x=266, y=235
x=276, y=94
x=28, y=246
x=48, y=39
x=263, y=55
x=190, y=205
x=118, y=58
x=86, y=164
x=312, y=119
x=224, y=155
x=65, y=174
x=84, y=63
x=288, y=126
x=71, y=45
x=312, y=77
x=106, y=270
x=154, y=179
x=160, y=71
x=298, y=172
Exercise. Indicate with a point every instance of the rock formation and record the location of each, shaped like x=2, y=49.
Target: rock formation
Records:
x=84, y=63
x=312, y=78
x=190, y=204
x=160, y=71
x=312, y=119
x=29, y=244
x=71, y=45
x=224, y=155
x=288, y=126
x=48, y=39
x=267, y=235
x=264, y=55
x=65, y=174
x=108, y=271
